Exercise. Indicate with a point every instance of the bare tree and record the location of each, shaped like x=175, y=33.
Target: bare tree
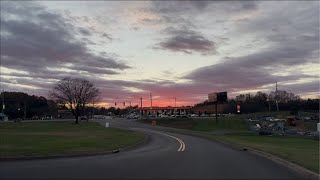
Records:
x=74, y=94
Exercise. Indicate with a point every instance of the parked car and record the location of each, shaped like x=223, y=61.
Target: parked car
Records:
x=83, y=118
x=194, y=115
x=132, y=116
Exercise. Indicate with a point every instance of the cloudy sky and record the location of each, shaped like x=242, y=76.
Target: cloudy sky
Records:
x=182, y=49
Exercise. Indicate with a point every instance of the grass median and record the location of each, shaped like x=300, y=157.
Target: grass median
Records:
x=61, y=138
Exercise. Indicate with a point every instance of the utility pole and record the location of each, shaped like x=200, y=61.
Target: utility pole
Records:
x=92, y=109
x=150, y=101
x=25, y=109
x=141, y=107
x=175, y=105
x=3, y=105
x=277, y=96
x=216, y=108
x=269, y=104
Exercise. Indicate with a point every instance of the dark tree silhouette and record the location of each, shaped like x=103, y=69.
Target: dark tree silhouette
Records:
x=74, y=94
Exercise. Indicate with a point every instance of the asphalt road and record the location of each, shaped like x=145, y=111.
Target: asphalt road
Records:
x=166, y=156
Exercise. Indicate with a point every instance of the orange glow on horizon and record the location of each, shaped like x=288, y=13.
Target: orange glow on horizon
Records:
x=155, y=103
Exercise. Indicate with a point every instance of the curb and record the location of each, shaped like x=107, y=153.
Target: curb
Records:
x=145, y=140
x=54, y=156
x=305, y=173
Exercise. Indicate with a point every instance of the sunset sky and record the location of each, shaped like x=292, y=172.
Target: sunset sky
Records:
x=182, y=49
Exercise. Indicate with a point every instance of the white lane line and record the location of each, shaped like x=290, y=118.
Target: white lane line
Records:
x=182, y=144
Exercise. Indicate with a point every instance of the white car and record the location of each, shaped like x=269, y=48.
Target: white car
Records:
x=164, y=116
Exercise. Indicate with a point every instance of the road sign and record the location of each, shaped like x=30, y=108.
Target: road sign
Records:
x=238, y=108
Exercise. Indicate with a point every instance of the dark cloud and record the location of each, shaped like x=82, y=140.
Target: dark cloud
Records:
x=84, y=31
x=302, y=88
x=107, y=36
x=185, y=12
x=198, y=6
x=35, y=39
x=187, y=41
x=290, y=40
x=254, y=70
x=185, y=17
x=258, y=69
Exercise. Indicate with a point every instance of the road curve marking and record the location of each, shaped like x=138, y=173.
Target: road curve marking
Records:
x=182, y=144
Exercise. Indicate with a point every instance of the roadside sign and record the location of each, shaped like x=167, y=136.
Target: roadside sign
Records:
x=238, y=108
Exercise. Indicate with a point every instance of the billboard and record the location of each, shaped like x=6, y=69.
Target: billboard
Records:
x=218, y=97
x=222, y=96
x=212, y=97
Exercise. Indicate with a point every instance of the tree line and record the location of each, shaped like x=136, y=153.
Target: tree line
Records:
x=21, y=105
x=261, y=101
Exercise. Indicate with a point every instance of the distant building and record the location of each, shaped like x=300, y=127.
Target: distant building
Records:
x=165, y=110
x=210, y=108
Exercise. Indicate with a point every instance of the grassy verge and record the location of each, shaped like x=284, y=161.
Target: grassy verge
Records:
x=224, y=123
x=304, y=152
x=56, y=138
x=202, y=124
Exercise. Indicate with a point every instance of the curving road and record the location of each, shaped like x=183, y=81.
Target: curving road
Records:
x=166, y=156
